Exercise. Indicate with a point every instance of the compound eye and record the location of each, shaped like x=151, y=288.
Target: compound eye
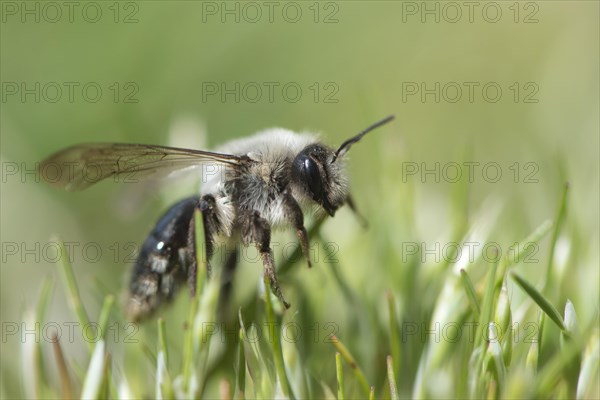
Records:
x=312, y=176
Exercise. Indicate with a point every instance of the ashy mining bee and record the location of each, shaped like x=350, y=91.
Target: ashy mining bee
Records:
x=253, y=184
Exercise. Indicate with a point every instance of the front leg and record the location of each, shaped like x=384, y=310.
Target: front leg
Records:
x=294, y=213
x=256, y=230
x=352, y=205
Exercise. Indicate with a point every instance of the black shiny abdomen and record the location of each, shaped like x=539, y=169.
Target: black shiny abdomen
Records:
x=162, y=263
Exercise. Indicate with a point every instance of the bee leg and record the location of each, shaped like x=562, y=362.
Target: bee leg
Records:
x=227, y=282
x=352, y=205
x=294, y=213
x=206, y=206
x=257, y=230
x=267, y=259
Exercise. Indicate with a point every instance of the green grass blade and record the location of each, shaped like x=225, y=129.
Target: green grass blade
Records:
x=588, y=386
x=258, y=370
x=107, y=383
x=162, y=339
x=496, y=362
x=503, y=319
x=105, y=314
x=360, y=376
x=479, y=356
x=541, y=301
x=514, y=256
x=72, y=289
x=533, y=355
x=392, y=378
x=394, y=337
x=207, y=310
x=339, y=371
x=470, y=290
x=63, y=373
x=488, y=301
x=44, y=300
x=94, y=377
x=541, y=324
x=41, y=309
x=571, y=372
x=276, y=342
x=554, y=371
x=560, y=216
x=240, y=376
x=164, y=386
x=188, y=343
x=570, y=321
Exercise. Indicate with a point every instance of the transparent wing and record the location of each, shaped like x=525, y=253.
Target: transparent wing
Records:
x=79, y=167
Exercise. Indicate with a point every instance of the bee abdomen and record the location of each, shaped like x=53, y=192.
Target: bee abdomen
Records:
x=161, y=266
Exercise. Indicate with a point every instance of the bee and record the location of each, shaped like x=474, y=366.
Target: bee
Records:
x=250, y=186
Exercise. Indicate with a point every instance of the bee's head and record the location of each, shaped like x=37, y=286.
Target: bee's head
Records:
x=319, y=177
x=319, y=171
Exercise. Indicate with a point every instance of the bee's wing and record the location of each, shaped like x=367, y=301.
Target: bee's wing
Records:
x=79, y=167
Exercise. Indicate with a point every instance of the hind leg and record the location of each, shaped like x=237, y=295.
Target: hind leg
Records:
x=206, y=205
x=227, y=277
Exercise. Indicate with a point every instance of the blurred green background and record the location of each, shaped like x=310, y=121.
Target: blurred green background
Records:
x=354, y=62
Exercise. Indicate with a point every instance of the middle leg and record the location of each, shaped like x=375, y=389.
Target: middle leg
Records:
x=256, y=230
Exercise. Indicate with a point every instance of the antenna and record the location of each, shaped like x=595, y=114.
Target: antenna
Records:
x=346, y=145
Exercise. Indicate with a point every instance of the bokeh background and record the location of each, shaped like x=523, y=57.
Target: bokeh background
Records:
x=355, y=62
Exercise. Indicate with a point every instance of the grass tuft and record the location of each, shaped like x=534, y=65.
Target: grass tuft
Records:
x=447, y=328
